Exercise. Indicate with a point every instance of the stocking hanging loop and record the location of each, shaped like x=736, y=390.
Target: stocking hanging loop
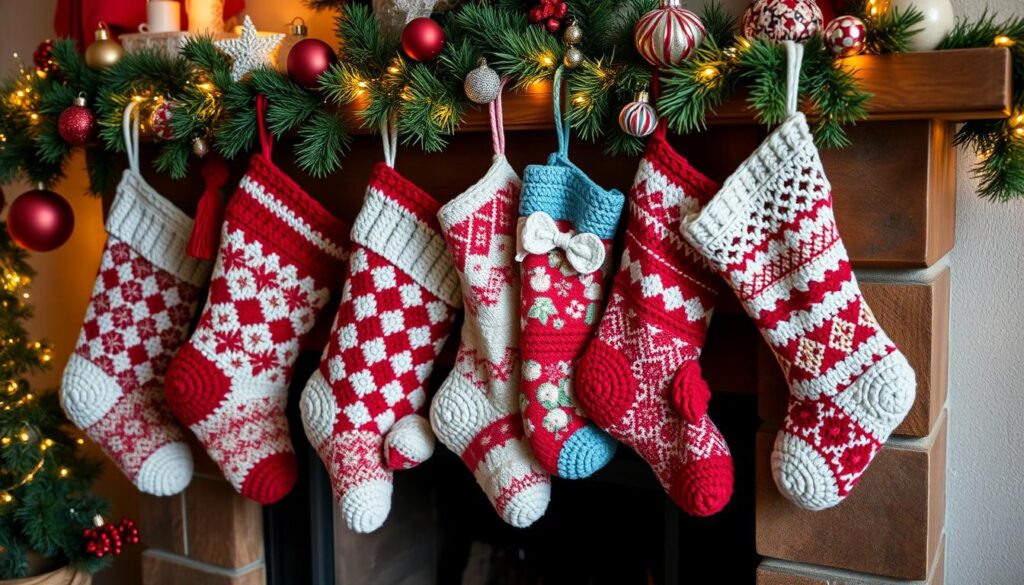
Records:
x=794, y=58
x=389, y=137
x=266, y=140
x=130, y=127
x=498, y=120
x=561, y=124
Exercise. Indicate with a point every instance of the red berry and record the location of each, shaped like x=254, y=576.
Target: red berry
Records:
x=536, y=14
x=561, y=10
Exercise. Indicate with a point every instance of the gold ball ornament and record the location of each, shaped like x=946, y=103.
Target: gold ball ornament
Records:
x=573, y=57
x=573, y=34
x=200, y=148
x=104, y=51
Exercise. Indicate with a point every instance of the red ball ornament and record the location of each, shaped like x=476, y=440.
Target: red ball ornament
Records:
x=40, y=220
x=668, y=35
x=422, y=39
x=844, y=36
x=43, y=58
x=77, y=124
x=782, y=20
x=308, y=59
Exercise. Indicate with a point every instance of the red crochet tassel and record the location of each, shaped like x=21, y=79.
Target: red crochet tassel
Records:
x=210, y=214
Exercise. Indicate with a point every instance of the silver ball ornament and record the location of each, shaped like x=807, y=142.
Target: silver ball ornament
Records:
x=573, y=34
x=482, y=84
x=573, y=57
x=200, y=148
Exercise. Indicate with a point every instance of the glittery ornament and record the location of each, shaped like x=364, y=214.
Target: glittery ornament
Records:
x=482, y=84
x=782, y=20
x=573, y=57
x=250, y=50
x=573, y=34
x=422, y=39
x=638, y=118
x=668, y=35
x=160, y=121
x=844, y=36
x=77, y=123
x=199, y=147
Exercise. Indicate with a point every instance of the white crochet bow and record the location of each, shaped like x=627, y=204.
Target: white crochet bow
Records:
x=540, y=235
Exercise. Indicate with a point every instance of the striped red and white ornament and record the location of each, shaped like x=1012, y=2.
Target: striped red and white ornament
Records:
x=668, y=35
x=638, y=117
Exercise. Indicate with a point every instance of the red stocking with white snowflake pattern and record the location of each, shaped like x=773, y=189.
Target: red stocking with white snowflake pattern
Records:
x=281, y=254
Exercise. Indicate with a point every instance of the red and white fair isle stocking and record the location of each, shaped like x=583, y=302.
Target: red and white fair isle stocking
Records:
x=280, y=256
x=476, y=411
x=361, y=408
x=771, y=233
x=639, y=379
x=142, y=304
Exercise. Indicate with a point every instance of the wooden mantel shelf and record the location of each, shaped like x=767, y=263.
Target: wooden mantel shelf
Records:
x=955, y=85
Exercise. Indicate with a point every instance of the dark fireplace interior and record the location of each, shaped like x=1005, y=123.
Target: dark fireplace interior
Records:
x=617, y=527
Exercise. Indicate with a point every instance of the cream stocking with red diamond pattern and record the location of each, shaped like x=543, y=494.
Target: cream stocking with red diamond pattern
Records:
x=772, y=234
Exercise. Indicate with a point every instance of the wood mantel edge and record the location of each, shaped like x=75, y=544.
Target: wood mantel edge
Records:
x=953, y=85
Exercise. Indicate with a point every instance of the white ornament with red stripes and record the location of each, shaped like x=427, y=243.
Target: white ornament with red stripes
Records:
x=668, y=35
x=782, y=20
x=638, y=117
x=845, y=36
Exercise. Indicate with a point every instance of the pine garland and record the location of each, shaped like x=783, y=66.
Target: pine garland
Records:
x=999, y=144
x=426, y=101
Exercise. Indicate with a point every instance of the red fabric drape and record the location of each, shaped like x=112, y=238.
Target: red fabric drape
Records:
x=77, y=19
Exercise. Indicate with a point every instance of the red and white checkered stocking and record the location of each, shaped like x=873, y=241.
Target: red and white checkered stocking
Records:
x=361, y=407
x=142, y=304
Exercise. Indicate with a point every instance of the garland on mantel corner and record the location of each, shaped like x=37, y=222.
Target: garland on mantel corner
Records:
x=428, y=101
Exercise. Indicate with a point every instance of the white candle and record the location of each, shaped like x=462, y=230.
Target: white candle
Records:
x=205, y=16
x=162, y=16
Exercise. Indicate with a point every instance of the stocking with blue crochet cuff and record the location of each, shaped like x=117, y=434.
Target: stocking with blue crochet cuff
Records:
x=566, y=227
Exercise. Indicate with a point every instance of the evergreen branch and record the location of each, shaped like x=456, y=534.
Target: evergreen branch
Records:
x=323, y=142
x=888, y=31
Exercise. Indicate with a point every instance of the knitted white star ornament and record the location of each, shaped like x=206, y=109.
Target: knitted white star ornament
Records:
x=250, y=50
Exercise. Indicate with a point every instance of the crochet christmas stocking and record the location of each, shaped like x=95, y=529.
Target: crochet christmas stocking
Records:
x=142, y=304
x=567, y=226
x=639, y=378
x=360, y=409
x=772, y=234
x=280, y=256
x=476, y=411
